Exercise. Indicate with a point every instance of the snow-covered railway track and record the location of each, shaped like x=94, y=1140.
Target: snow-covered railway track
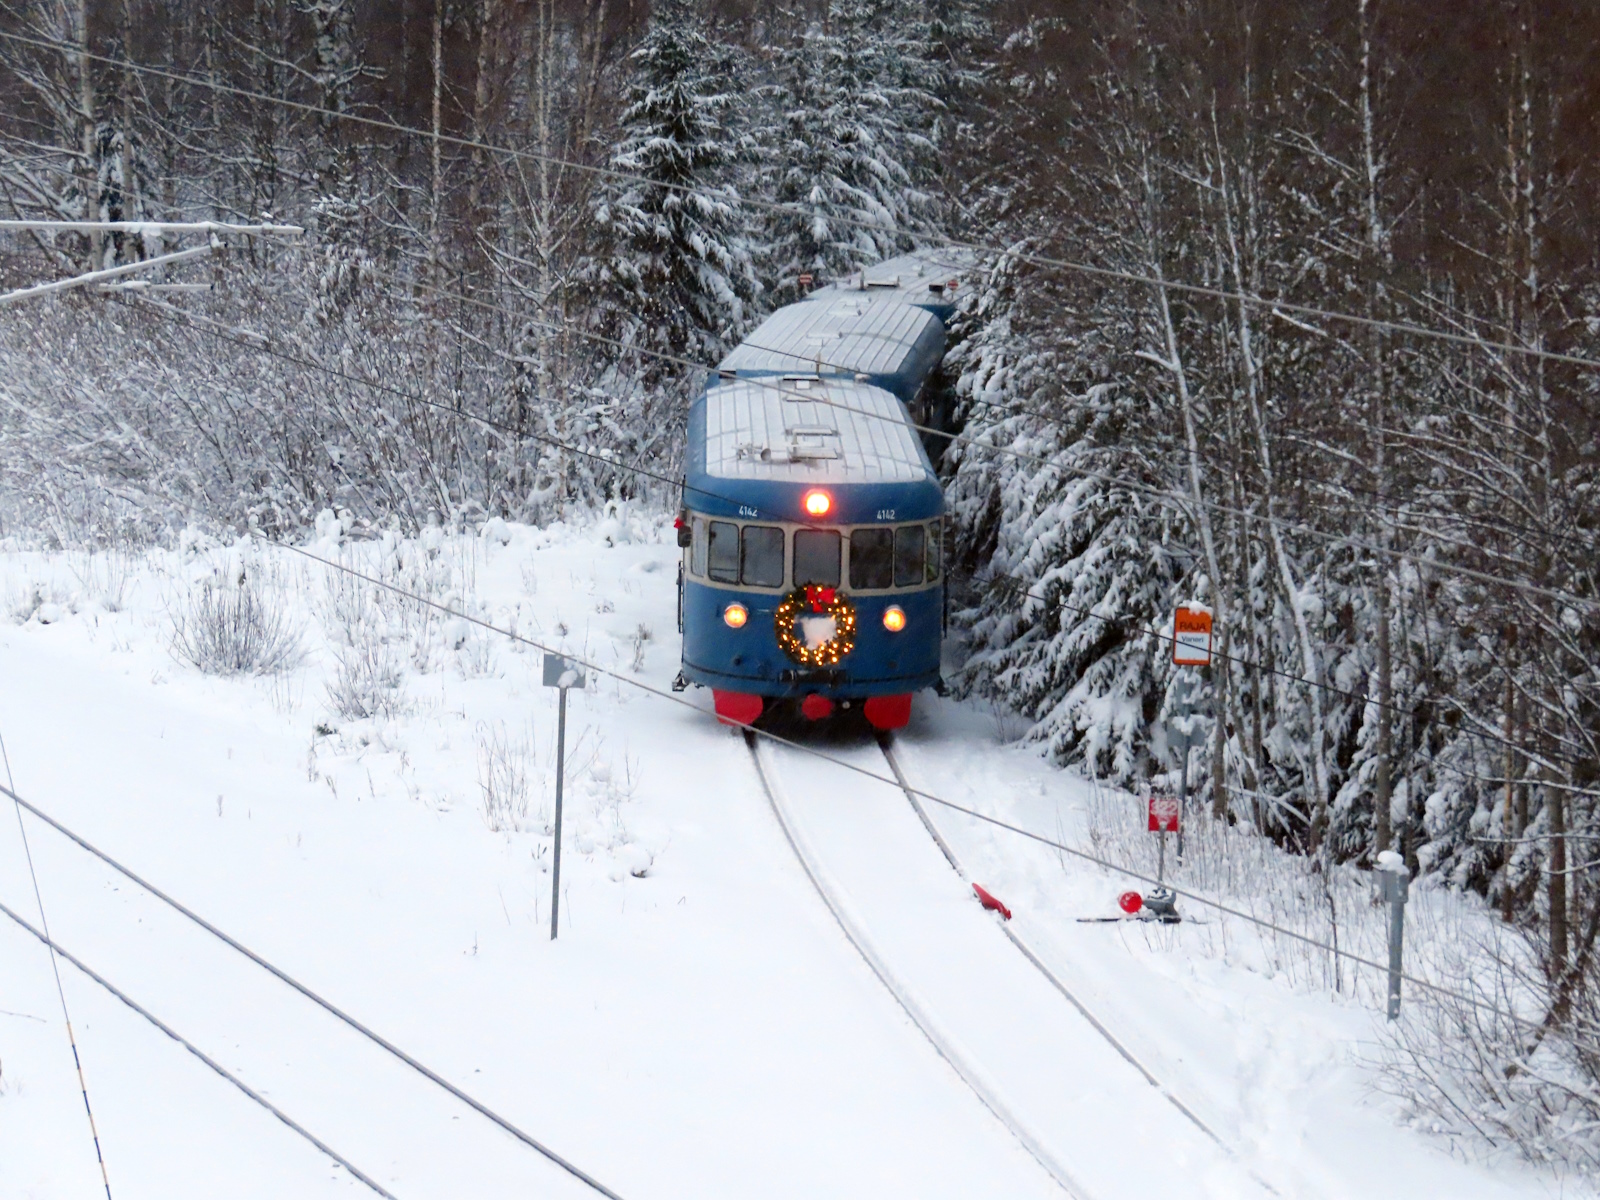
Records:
x=1036, y=959
x=1069, y=1091
x=886, y=744
x=834, y=898
x=327, y=1067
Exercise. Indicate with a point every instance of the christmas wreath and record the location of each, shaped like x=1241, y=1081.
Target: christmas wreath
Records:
x=812, y=607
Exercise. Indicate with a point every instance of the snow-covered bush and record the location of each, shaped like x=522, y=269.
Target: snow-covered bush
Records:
x=368, y=676
x=104, y=576
x=234, y=628
x=368, y=680
x=24, y=598
x=1482, y=1065
x=505, y=768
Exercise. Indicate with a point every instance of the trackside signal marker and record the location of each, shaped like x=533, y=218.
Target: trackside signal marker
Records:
x=1191, y=637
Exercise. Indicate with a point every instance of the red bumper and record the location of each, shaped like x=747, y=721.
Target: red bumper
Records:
x=736, y=708
x=888, y=712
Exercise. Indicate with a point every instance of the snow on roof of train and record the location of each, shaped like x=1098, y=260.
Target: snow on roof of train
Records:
x=921, y=277
x=846, y=333
x=851, y=433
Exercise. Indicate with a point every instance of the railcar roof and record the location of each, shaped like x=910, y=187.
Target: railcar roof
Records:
x=846, y=333
x=910, y=278
x=850, y=433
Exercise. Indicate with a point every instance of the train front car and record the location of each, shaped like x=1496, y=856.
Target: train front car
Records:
x=812, y=570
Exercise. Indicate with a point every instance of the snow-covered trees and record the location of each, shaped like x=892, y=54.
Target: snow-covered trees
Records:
x=1322, y=488
x=674, y=273
x=848, y=153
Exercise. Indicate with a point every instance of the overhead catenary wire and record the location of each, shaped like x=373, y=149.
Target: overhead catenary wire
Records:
x=1131, y=872
x=55, y=970
x=56, y=949
x=327, y=1006
x=467, y=143
x=259, y=344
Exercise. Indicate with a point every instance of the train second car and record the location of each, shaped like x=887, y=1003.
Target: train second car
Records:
x=813, y=522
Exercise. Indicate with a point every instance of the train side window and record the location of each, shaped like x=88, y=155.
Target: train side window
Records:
x=933, y=551
x=724, y=552
x=816, y=557
x=697, y=551
x=871, y=558
x=909, y=541
x=761, y=564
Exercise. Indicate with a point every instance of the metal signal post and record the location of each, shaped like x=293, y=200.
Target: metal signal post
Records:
x=561, y=675
x=1394, y=886
x=1165, y=814
x=1191, y=648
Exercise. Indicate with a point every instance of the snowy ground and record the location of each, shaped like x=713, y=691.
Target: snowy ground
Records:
x=701, y=1028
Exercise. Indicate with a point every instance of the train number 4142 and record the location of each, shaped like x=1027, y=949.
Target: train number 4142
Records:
x=885, y=514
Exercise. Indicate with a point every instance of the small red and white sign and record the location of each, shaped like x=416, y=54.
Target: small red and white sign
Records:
x=806, y=279
x=1191, y=637
x=1164, y=813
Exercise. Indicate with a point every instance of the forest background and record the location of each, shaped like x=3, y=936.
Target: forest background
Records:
x=533, y=224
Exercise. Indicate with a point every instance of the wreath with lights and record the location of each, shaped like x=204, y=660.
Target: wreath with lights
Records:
x=820, y=601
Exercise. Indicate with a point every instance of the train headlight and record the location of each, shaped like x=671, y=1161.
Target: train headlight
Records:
x=894, y=618
x=735, y=615
x=817, y=503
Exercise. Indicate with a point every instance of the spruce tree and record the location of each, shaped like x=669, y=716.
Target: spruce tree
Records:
x=673, y=273
x=849, y=149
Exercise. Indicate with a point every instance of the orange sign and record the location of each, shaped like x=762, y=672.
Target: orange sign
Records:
x=1191, y=637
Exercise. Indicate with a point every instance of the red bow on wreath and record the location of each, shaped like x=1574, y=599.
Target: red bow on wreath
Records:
x=820, y=598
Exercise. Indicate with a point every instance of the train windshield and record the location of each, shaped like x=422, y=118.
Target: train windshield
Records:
x=908, y=543
x=871, y=558
x=816, y=557
x=761, y=563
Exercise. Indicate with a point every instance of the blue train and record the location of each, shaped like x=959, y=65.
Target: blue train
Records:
x=812, y=523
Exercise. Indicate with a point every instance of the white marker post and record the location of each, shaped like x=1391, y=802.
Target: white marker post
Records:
x=561, y=674
x=1394, y=884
